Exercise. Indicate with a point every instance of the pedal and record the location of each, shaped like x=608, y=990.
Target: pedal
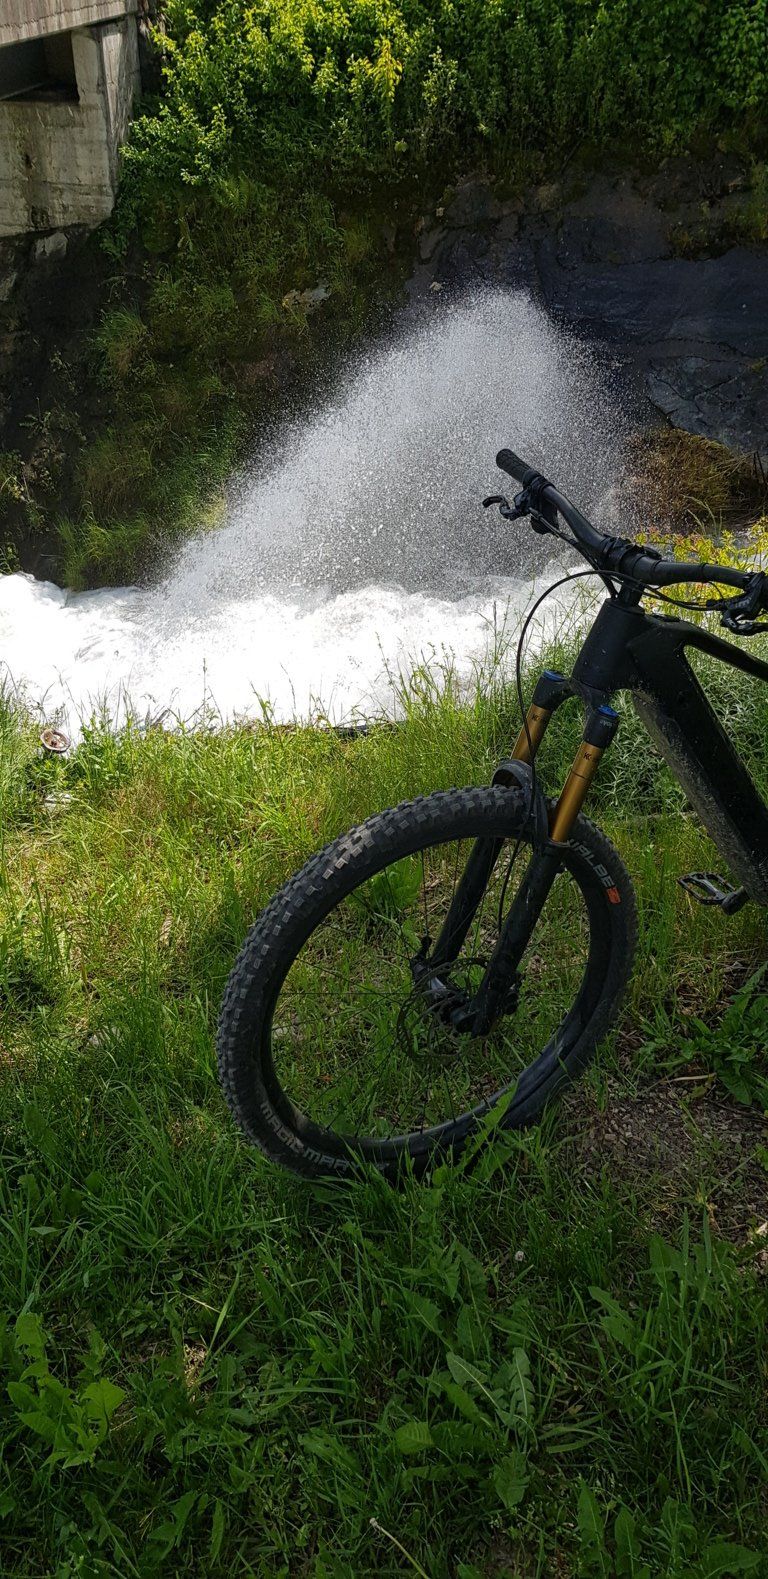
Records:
x=709, y=889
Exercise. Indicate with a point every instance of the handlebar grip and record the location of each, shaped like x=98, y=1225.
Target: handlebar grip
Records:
x=509, y=462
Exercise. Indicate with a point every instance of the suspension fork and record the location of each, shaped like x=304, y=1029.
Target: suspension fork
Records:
x=551, y=690
x=543, y=867
x=599, y=730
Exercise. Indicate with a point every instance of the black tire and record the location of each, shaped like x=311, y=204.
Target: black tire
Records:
x=250, y=1082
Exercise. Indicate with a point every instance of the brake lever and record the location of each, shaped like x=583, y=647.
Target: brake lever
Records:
x=509, y=512
x=742, y=627
x=739, y=616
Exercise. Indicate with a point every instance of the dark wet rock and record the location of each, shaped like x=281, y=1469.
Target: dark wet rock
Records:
x=508, y=228
x=546, y=199
x=677, y=181
x=13, y=255
x=429, y=241
x=715, y=228
x=716, y=301
x=612, y=222
x=588, y=240
x=50, y=247
x=509, y=258
x=463, y=257
x=474, y=205
x=701, y=396
x=605, y=255
x=682, y=180
x=700, y=327
x=729, y=173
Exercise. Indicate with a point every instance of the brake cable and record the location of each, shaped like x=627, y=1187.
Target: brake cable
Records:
x=574, y=575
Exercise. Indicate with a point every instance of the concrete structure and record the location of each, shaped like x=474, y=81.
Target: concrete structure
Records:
x=69, y=76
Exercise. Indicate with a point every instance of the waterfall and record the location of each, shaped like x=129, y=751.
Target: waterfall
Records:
x=354, y=543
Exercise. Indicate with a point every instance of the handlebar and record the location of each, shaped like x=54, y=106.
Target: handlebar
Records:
x=509, y=462
x=615, y=555
x=530, y=478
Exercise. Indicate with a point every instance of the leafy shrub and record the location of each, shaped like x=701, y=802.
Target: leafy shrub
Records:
x=301, y=92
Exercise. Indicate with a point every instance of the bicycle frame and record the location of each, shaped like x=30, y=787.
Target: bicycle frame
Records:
x=628, y=649
x=625, y=650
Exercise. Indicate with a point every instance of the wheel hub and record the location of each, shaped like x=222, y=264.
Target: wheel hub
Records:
x=437, y=1019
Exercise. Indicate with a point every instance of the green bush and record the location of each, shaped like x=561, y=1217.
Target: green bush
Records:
x=309, y=92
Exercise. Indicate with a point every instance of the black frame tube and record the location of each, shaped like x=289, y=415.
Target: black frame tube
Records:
x=680, y=719
x=631, y=650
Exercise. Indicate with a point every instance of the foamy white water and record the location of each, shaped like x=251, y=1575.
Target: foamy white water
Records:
x=343, y=658
x=354, y=546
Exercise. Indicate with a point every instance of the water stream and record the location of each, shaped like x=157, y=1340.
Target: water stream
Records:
x=355, y=543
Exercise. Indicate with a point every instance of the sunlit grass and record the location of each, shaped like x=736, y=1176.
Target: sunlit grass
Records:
x=215, y=1369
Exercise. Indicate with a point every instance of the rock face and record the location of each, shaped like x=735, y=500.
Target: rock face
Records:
x=607, y=261
x=727, y=399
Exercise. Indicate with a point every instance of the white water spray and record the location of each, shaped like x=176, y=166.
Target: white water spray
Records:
x=355, y=546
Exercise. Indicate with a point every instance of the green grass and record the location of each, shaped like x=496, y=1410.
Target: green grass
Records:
x=545, y=1366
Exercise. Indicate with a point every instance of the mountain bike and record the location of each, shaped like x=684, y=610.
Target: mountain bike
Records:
x=443, y=969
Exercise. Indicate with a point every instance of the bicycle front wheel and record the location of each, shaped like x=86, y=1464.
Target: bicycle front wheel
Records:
x=340, y=1036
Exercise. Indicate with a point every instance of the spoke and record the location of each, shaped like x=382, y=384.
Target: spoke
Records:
x=311, y=994
x=456, y=871
x=508, y=879
x=361, y=1058
x=356, y=1040
x=479, y=919
x=427, y=1094
x=372, y=1084
x=449, y=1095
